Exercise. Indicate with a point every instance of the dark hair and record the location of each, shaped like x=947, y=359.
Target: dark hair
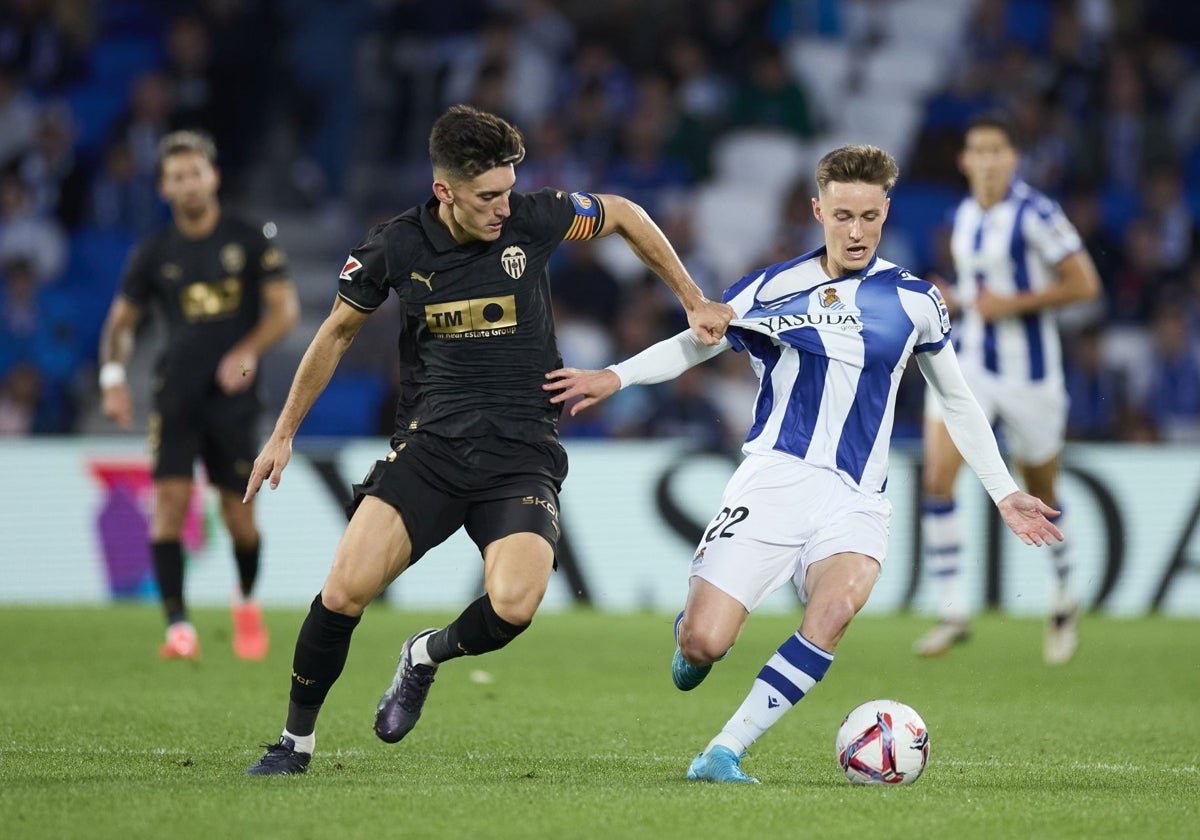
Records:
x=858, y=165
x=182, y=142
x=466, y=142
x=997, y=120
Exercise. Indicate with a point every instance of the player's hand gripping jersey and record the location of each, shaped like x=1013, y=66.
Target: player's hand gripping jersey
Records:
x=477, y=333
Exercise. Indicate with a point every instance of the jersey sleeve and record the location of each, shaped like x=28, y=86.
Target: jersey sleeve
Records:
x=363, y=282
x=272, y=261
x=927, y=309
x=136, y=276
x=1048, y=230
x=562, y=215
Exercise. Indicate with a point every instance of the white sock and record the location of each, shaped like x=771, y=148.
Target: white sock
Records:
x=942, y=529
x=1061, y=567
x=304, y=743
x=420, y=651
x=789, y=674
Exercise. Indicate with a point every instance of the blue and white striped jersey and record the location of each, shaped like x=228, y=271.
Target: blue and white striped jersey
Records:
x=1009, y=248
x=829, y=355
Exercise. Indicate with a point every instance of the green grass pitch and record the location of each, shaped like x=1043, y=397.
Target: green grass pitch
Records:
x=576, y=731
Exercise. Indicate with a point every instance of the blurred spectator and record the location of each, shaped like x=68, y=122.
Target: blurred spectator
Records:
x=642, y=170
x=519, y=59
x=702, y=93
x=584, y=286
x=25, y=235
x=47, y=39
x=1173, y=399
x=1127, y=136
x=1098, y=393
x=56, y=179
x=770, y=98
x=798, y=231
x=1165, y=206
x=145, y=121
x=1047, y=140
x=195, y=102
x=683, y=409
x=1141, y=277
x=1076, y=51
x=1082, y=206
x=244, y=69
x=124, y=200
x=551, y=162
x=20, y=392
x=38, y=330
x=18, y=116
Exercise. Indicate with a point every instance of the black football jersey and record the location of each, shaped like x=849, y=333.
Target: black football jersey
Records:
x=476, y=332
x=207, y=290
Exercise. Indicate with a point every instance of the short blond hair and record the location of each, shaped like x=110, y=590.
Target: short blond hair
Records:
x=183, y=142
x=860, y=164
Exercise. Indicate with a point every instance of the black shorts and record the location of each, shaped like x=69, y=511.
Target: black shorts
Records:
x=493, y=487
x=220, y=429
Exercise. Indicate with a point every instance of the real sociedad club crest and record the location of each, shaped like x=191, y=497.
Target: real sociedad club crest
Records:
x=830, y=299
x=513, y=260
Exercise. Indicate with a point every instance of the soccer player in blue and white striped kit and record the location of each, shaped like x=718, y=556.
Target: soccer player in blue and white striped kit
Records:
x=829, y=334
x=1018, y=259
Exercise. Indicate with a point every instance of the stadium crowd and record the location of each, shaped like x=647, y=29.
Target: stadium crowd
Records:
x=708, y=113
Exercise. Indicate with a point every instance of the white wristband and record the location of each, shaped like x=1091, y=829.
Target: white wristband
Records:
x=111, y=374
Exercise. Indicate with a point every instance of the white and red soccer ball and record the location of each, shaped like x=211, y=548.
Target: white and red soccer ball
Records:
x=883, y=742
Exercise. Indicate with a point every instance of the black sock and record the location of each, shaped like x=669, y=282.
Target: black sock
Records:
x=320, y=655
x=247, y=564
x=168, y=571
x=478, y=630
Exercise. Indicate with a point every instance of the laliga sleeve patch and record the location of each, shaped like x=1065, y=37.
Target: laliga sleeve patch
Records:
x=352, y=265
x=943, y=311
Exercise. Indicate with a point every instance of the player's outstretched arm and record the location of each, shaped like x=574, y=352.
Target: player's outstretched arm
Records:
x=587, y=387
x=1026, y=516
x=316, y=368
x=707, y=318
x=657, y=363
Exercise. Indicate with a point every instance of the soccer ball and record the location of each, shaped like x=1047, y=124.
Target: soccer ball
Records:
x=883, y=742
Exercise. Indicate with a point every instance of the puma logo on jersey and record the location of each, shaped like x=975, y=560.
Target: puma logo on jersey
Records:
x=427, y=280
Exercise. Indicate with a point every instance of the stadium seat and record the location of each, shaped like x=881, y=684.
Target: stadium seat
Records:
x=761, y=159
x=934, y=25
x=117, y=62
x=95, y=109
x=734, y=226
x=916, y=211
x=821, y=66
x=905, y=71
x=348, y=407
x=96, y=259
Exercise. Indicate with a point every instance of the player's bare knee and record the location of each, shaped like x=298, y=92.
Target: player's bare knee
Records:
x=339, y=600
x=701, y=648
x=516, y=606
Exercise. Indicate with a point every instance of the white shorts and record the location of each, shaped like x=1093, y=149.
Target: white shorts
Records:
x=780, y=515
x=1031, y=415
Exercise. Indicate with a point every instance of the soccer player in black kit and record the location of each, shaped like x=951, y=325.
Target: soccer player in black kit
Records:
x=222, y=287
x=476, y=441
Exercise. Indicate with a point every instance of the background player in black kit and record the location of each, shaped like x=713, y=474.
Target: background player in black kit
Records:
x=476, y=440
x=222, y=288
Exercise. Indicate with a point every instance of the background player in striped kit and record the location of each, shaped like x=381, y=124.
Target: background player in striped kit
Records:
x=829, y=334
x=1017, y=259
